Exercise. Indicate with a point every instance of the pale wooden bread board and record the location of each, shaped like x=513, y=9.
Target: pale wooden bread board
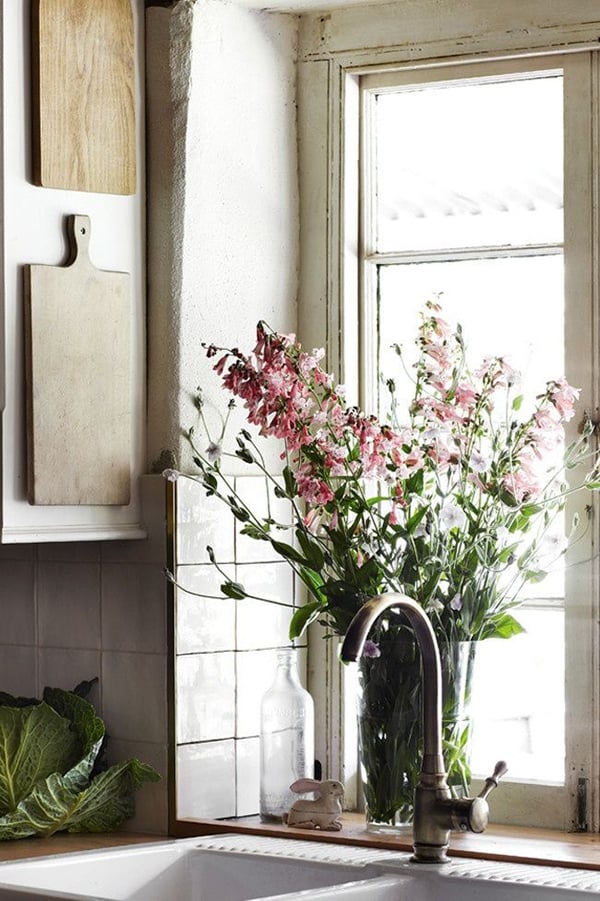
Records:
x=84, y=135
x=79, y=421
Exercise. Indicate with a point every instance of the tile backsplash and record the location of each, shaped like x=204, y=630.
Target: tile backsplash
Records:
x=75, y=611
x=225, y=650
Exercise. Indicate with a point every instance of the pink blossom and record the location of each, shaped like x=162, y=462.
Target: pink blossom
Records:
x=522, y=484
x=563, y=396
x=311, y=488
x=466, y=395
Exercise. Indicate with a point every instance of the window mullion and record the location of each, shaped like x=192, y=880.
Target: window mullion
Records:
x=397, y=258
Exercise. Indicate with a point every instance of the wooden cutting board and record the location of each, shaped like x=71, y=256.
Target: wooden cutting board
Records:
x=79, y=420
x=84, y=136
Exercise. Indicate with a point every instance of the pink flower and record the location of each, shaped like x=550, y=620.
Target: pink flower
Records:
x=466, y=395
x=563, y=396
x=522, y=484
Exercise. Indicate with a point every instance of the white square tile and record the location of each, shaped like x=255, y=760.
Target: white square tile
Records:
x=205, y=780
x=247, y=761
x=255, y=673
x=258, y=494
x=260, y=624
x=202, y=521
x=203, y=623
x=205, y=697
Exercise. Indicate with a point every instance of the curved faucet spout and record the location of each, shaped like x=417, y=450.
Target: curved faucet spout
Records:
x=431, y=829
x=433, y=761
x=436, y=812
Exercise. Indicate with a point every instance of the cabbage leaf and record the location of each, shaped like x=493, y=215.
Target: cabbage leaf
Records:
x=48, y=752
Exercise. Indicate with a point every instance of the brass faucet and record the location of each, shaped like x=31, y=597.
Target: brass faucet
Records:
x=436, y=812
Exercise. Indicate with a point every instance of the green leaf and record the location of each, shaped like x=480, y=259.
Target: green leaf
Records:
x=88, y=727
x=234, y=590
x=210, y=482
x=505, y=627
x=314, y=582
x=312, y=550
x=53, y=807
x=289, y=481
x=47, y=752
x=535, y=576
x=289, y=552
x=258, y=533
x=239, y=512
x=34, y=742
x=303, y=617
x=9, y=701
x=517, y=402
x=244, y=454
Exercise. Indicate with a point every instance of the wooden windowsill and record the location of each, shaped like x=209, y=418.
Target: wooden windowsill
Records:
x=62, y=843
x=544, y=847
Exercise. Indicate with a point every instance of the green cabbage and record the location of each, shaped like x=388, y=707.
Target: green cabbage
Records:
x=51, y=770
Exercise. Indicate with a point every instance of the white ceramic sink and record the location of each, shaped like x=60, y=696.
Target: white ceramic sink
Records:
x=173, y=871
x=241, y=868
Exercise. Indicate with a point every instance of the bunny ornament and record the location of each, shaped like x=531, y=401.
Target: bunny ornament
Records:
x=322, y=813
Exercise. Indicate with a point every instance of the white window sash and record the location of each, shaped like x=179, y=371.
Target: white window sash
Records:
x=337, y=270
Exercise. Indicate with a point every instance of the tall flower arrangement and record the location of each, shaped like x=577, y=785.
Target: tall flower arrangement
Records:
x=451, y=500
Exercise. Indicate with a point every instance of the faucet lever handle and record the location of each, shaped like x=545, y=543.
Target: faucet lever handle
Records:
x=492, y=781
x=472, y=814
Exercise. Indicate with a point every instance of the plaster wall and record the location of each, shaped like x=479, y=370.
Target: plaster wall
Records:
x=223, y=225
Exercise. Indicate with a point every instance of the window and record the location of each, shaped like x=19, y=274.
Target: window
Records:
x=461, y=194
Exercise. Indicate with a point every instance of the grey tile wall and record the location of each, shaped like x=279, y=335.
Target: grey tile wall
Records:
x=75, y=611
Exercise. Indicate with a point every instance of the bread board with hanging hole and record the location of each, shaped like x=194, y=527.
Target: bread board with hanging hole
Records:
x=78, y=382
x=83, y=95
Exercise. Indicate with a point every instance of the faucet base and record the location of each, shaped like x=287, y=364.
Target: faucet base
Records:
x=430, y=853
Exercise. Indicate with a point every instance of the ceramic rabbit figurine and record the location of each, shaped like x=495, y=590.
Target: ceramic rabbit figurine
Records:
x=323, y=812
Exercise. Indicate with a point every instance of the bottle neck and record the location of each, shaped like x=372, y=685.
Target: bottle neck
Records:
x=287, y=665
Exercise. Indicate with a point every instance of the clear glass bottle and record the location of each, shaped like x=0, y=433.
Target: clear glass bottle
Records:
x=286, y=738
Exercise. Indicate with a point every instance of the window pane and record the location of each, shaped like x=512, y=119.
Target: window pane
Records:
x=518, y=703
x=470, y=164
x=500, y=303
x=518, y=707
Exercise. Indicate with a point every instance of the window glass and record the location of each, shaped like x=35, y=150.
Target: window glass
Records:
x=472, y=164
x=476, y=169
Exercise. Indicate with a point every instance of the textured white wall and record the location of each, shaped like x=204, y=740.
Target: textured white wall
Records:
x=224, y=243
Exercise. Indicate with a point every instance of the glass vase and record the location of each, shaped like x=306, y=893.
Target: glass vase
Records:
x=390, y=726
